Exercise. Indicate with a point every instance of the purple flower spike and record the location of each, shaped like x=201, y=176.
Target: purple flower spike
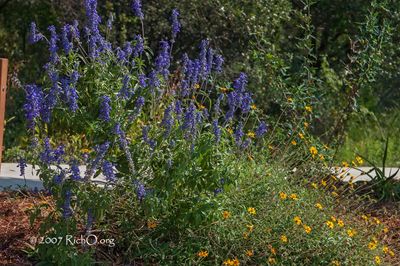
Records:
x=137, y=9
x=34, y=35
x=176, y=26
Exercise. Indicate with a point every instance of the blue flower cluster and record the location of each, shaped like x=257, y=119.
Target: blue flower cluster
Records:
x=178, y=106
x=105, y=109
x=50, y=156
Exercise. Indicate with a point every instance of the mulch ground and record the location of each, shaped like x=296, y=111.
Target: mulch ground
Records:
x=389, y=215
x=16, y=233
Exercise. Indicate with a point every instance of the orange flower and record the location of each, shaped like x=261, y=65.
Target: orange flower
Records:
x=273, y=250
x=151, y=224
x=234, y=262
x=249, y=253
x=226, y=214
x=202, y=254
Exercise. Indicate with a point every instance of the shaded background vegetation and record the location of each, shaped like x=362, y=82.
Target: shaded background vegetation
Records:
x=341, y=57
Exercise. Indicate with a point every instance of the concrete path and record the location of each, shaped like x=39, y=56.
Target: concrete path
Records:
x=10, y=175
x=359, y=174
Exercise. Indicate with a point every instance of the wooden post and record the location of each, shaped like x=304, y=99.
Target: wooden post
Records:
x=3, y=90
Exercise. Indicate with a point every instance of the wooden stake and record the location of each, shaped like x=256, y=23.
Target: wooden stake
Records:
x=3, y=90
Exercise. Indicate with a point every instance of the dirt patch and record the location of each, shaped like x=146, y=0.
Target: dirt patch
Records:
x=16, y=233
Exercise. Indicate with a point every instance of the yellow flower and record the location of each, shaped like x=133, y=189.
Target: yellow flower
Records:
x=359, y=160
x=306, y=125
x=301, y=135
x=236, y=262
x=202, y=254
x=340, y=223
x=308, y=108
x=391, y=253
x=307, y=229
x=230, y=262
x=372, y=245
x=196, y=86
x=201, y=107
x=385, y=249
x=245, y=235
x=345, y=164
x=282, y=195
x=386, y=230
x=321, y=157
x=314, y=185
x=284, y=239
x=323, y=183
x=293, y=142
x=330, y=224
x=313, y=151
x=378, y=260
x=249, y=253
x=351, y=232
x=251, y=134
x=290, y=99
x=253, y=107
x=365, y=217
x=333, y=218
x=335, y=263
x=319, y=206
x=293, y=196
x=377, y=221
x=84, y=150
x=223, y=90
x=271, y=260
x=335, y=194
x=250, y=227
x=230, y=130
x=226, y=214
x=151, y=224
x=251, y=210
x=297, y=220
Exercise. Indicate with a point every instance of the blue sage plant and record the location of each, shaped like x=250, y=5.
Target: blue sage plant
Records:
x=162, y=131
